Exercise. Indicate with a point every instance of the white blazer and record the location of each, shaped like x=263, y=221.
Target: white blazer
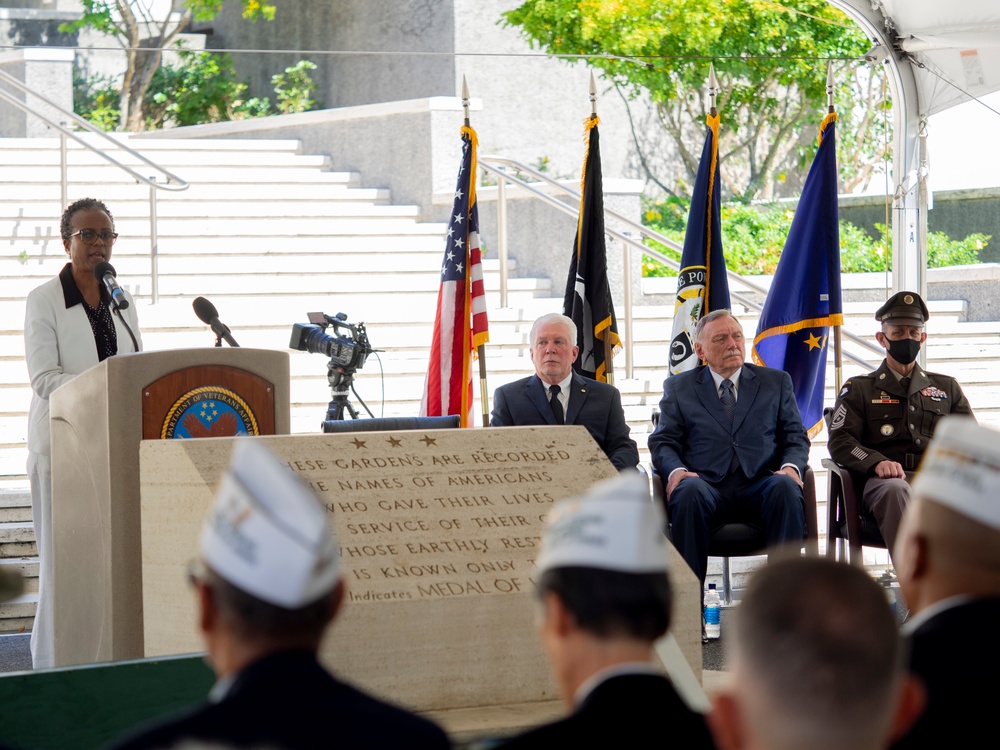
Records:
x=59, y=345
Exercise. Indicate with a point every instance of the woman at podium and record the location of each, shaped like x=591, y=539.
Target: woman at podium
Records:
x=71, y=323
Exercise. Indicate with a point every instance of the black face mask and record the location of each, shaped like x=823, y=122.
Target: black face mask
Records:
x=903, y=351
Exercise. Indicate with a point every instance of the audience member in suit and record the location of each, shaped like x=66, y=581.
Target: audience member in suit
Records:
x=557, y=395
x=729, y=445
x=815, y=663
x=269, y=586
x=604, y=599
x=948, y=562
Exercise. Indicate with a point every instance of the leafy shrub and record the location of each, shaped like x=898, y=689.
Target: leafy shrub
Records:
x=203, y=87
x=96, y=99
x=294, y=88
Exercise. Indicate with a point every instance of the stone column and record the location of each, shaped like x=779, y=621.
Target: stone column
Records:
x=47, y=71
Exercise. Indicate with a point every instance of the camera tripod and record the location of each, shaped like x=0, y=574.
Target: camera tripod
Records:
x=341, y=382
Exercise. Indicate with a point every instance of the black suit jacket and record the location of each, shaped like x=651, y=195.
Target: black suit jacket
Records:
x=960, y=675
x=627, y=711
x=288, y=701
x=693, y=431
x=596, y=406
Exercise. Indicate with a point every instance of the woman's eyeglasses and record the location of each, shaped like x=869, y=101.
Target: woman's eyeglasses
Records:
x=90, y=237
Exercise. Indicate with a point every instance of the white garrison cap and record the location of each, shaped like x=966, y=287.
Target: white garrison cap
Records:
x=267, y=534
x=615, y=526
x=961, y=470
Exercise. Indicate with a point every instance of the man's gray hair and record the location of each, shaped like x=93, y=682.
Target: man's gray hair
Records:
x=705, y=320
x=818, y=655
x=555, y=318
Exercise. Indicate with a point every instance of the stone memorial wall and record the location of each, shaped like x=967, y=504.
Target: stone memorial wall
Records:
x=438, y=534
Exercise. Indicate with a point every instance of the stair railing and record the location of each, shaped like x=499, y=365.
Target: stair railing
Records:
x=171, y=182
x=495, y=165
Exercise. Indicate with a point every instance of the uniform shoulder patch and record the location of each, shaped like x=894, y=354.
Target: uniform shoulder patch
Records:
x=845, y=389
x=839, y=417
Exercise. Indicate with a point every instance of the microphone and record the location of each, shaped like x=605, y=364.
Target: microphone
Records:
x=105, y=273
x=208, y=315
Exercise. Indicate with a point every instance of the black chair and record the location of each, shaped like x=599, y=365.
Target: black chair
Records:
x=846, y=518
x=742, y=539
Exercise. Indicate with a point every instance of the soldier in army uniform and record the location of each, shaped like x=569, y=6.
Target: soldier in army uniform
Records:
x=883, y=421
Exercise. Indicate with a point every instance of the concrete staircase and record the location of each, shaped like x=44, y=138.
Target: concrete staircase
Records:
x=18, y=553
x=269, y=234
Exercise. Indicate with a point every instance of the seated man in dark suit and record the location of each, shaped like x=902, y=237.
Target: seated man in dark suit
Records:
x=268, y=585
x=604, y=600
x=557, y=395
x=730, y=445
x=947, y=558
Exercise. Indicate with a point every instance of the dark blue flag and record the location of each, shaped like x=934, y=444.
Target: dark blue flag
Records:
x=805, y=300
x=702, y=285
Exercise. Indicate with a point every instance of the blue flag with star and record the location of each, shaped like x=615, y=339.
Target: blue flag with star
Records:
x=805, y=300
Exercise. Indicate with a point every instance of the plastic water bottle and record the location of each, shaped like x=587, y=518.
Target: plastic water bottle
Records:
x=712, y=606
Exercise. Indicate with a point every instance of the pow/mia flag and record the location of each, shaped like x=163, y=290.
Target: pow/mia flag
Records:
x=702, y=285
x=588, y=295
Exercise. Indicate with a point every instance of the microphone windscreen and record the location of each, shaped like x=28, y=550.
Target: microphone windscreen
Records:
x=205, y=310
x=102, y=269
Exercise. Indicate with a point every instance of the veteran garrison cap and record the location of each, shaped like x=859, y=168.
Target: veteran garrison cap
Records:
x=961, y=470
x=903, y=306
x=614, y=526
x=267, y=533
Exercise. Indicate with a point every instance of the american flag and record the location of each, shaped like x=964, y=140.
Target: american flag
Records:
x=460, y=326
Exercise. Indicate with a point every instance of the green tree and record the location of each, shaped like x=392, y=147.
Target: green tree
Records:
x=770, y=60
x=144, y=37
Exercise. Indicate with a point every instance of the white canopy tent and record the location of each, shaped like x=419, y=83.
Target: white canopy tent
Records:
x=938, y=53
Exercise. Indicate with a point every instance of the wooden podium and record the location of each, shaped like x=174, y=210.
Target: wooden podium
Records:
x=98, y=420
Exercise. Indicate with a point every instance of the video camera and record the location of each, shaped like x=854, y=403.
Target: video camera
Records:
x=348, y=352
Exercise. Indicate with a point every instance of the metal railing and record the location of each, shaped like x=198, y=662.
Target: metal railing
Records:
x=495, y=165
x=171, y=182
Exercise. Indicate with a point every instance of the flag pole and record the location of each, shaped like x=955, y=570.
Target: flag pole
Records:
x=481, y=349
x=609, y=352
x=838, y=357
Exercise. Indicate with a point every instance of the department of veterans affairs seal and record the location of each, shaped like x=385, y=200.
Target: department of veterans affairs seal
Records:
x=209, y=411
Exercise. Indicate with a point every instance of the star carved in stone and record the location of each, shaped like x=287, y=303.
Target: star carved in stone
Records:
x=429, y=441
x=395, y=442
x=359, y=443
